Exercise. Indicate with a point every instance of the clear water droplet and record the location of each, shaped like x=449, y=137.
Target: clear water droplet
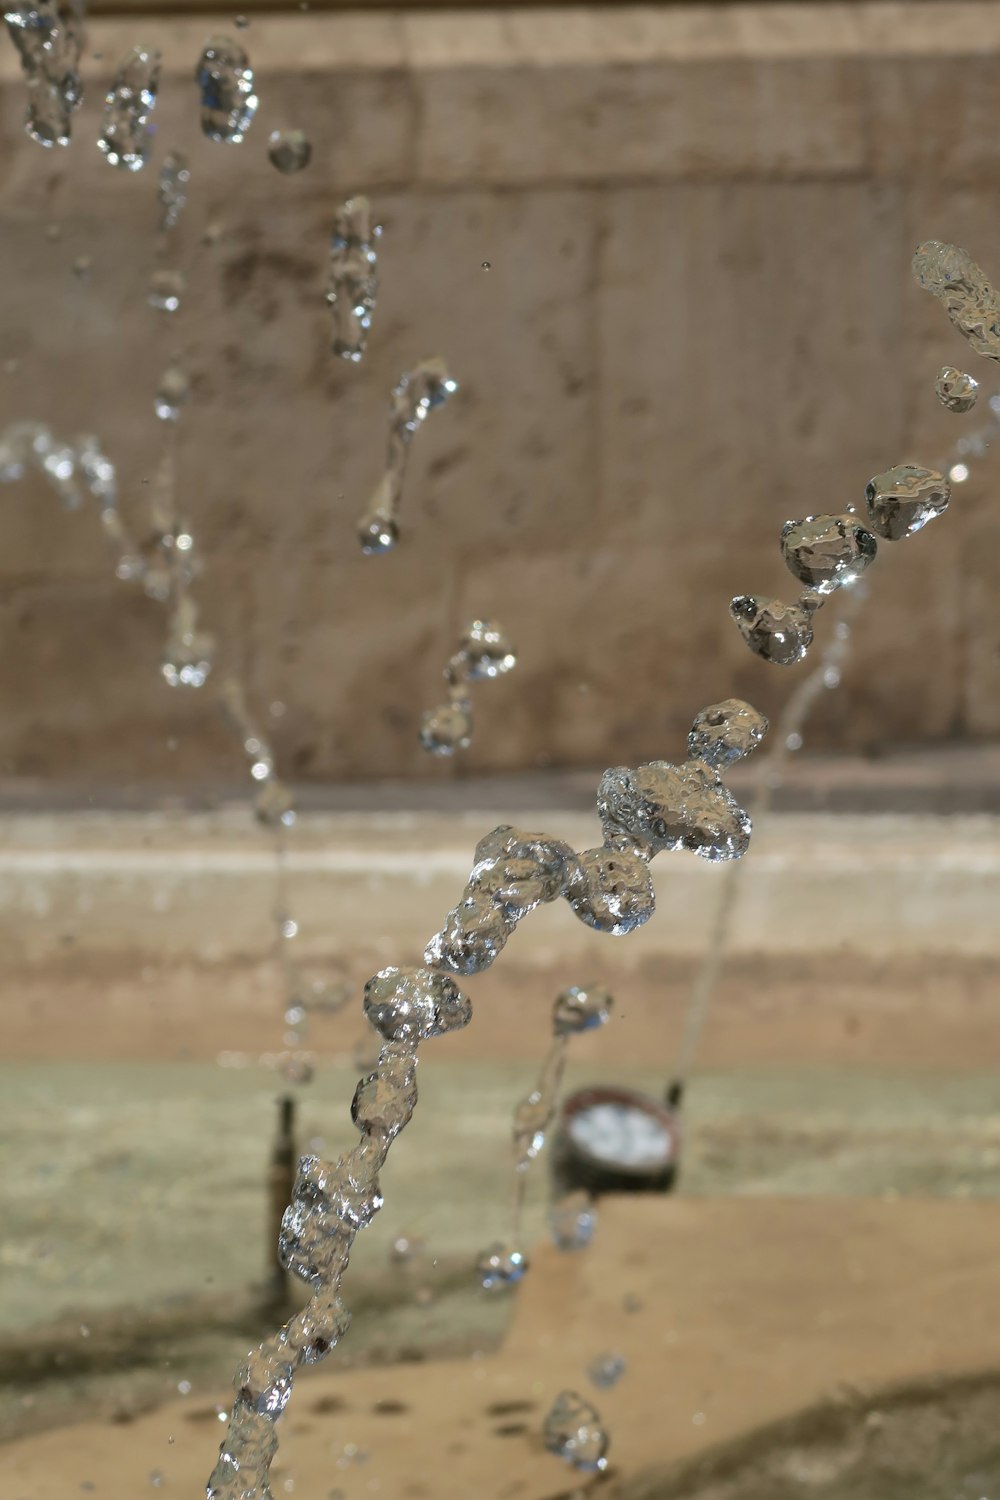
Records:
x=289, y=151
x=955, y=389
x=573, y=1430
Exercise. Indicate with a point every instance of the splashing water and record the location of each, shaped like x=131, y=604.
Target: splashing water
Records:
x=426, y=387
x=124, y=137
x=512, y=874
x=228, y=101
x=483, y=653
x=289, y=151
x=965, y=292
x=353, y=282
x=573, y=1431
x=956, y=390
x=49, y=36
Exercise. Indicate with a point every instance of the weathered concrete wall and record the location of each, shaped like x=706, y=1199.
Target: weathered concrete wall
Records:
x=698, y=322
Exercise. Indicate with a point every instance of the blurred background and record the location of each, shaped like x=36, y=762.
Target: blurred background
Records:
x=664, y=251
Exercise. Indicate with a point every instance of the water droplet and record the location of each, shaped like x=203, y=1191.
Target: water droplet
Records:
x=501, y=1265
x=487, y=266
x=419, y=392
x=446, y=729
x=83, y=268
x=962, y=287
x=955, y=389
x=173, y=392
x=572, y=1222
x=172, y=188
x=124, y=137
x=49, y=37
x=827, y=552
x=779, y=633
x=166, y=288
x=578, y=1009
x=353, y=283
x=725, y=733
x=228, y=101
x=408, y=1005
x=289, y=151
x=606, y=1370
x=902, y=500
x=274, y=804
x=573, y=1430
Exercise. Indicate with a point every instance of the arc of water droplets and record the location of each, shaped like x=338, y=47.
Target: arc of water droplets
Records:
x=643, y=812
x=827, y=552
x=788, y=739
x=353, y=282
x=124, y=137
x=483, y=653
x=49, y=36
x=422, y=390
x=576, y=1010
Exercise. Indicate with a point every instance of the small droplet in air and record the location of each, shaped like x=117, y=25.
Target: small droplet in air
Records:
x=573, y=1431
x=173, y=392
x=606, y=1370
x=83, y=268
x=487, y=266
x=573, y=1221
x=955, y=389
x=241, y=22
x=53, y=232
x=578, y=1009
x=289, y=151
x=124, y=137
x=175, y=175
x=500, y=1266
x=166, y=288
x=958, y=473
x=156, y=1479
x=446, y=729
x=228, y=101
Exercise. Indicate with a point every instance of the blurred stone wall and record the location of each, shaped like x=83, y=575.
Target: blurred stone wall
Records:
x=697, y=322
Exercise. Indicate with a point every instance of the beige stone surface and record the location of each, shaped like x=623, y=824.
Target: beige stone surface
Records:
x=748, y=1312
x=697, y=321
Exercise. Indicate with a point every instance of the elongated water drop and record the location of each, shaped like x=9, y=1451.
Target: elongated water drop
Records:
x=124, y=137
x=965, y=292
x=420, y=391
x=175, y=174
x=353, y=282
x=228, y=101
x=49, y=36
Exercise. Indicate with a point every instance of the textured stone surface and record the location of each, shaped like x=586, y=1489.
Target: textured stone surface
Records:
x=698, y=222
